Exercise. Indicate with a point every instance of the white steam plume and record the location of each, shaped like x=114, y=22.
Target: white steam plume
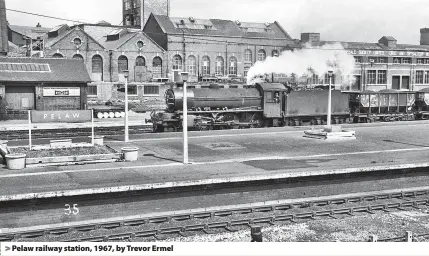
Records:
x=307, y=61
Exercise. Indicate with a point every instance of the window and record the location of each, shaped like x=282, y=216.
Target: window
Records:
x=57, y=55
x=419, y=77
x=381, y=77
x=127, y=5
x=381, y=60
x=419, y=61
x=261, y=55
x=372, y=59
x=426, y=81
x=140, y=62
x=78, y=57
x=206, y=66
x=122, y=64
x=77, y=41
x=396, y=60
x=406, y=60
x=327, y=79
x=132, y=89
x=232, y=66
x=97, y=67
x=92, y=90
x=248, y=56
x=192, y=65
x=275, y=53
x=157, y=67
x=151, y=90
x=372, y=76
x=358, y=59
x=219, y=66
x=246, y=70
x=177, y=62
x=140, y=44
x=315, y=79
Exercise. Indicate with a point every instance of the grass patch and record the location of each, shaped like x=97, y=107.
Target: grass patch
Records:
x=78, y=151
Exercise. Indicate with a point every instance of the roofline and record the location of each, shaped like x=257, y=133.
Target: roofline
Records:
x=72, y=30
x=381, y=49
x=101, y=25
x=157, y=21
x=41, y=81
x=177, y=34
x=144, y=34
x=282, y=29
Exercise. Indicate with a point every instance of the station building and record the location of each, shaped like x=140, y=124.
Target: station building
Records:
x=41, y=84
x=385, y=64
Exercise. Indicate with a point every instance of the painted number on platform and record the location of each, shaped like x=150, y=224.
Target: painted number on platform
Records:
x=71, y=210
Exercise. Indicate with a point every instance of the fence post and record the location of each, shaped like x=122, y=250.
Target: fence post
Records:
x=408, y=236
x=256, y=233
x=373, y=238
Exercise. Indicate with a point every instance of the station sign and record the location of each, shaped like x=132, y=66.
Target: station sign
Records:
x=61, y=116
x=61, y=91
x=388, y=53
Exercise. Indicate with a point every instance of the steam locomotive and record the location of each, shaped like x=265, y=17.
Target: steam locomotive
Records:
x=276, y=104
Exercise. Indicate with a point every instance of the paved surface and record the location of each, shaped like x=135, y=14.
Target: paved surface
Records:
x=231, y=154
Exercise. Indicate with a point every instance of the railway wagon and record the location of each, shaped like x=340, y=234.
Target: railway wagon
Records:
x=384, y=105
x=312, y=107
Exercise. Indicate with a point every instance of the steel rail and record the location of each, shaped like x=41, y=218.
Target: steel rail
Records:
x=411, y=199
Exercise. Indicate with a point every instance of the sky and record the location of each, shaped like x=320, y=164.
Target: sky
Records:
x=336, y=20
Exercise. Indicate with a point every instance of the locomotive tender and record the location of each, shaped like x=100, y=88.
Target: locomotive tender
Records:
x=259, y=105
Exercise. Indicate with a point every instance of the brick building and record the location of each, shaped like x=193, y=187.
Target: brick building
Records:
x=381, y=65
x=214, y=47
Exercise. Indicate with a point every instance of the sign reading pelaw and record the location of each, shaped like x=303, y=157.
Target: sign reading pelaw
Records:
x=61, y=91
x=63, y=116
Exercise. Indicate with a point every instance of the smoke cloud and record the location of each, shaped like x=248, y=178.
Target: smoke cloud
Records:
x=306, y=62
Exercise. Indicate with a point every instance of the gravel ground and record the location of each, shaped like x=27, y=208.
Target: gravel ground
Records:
x=345, y=229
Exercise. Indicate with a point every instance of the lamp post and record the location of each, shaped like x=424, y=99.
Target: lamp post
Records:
x=330, y=73
x=126, y=73
x=185, y=118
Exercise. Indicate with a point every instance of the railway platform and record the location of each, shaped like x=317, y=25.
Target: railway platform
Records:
x=226, y=157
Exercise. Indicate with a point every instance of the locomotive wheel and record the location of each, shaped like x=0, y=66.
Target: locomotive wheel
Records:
x=256, y=121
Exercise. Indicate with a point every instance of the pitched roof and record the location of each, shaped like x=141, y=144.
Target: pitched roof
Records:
x=32, y=32
x=218, y=27
x=43, y=70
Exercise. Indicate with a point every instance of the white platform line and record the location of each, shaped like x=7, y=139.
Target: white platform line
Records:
x=237, y=160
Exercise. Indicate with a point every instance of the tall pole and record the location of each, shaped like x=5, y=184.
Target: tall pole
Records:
x=329, y=101
x=141, y=14
x=185, y=125
x=126, y=109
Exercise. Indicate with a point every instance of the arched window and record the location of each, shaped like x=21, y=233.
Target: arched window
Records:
x=57, y=55
x=140, y=62
x=192, y=65
x=157, y=67
x=78, y=57
x=206, y=66
x=248, y=56
x=232, y=70
x=122, y=64
x=97, y=67
x=219, y=66
x=275, y=53
x=177, y=62
x=261, y=55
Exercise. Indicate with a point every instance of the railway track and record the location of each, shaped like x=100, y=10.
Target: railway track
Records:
x=232, y=218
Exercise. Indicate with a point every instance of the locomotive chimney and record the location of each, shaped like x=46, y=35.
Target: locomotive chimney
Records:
x=4, y=42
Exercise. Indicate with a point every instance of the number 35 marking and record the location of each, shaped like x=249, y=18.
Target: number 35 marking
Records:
x=69, y=210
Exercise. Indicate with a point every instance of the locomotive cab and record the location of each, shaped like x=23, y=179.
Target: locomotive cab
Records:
x=273, y=101
x=422, y=104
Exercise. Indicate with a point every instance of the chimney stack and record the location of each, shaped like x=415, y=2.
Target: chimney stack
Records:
x=4, y=42
x=424, y=36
